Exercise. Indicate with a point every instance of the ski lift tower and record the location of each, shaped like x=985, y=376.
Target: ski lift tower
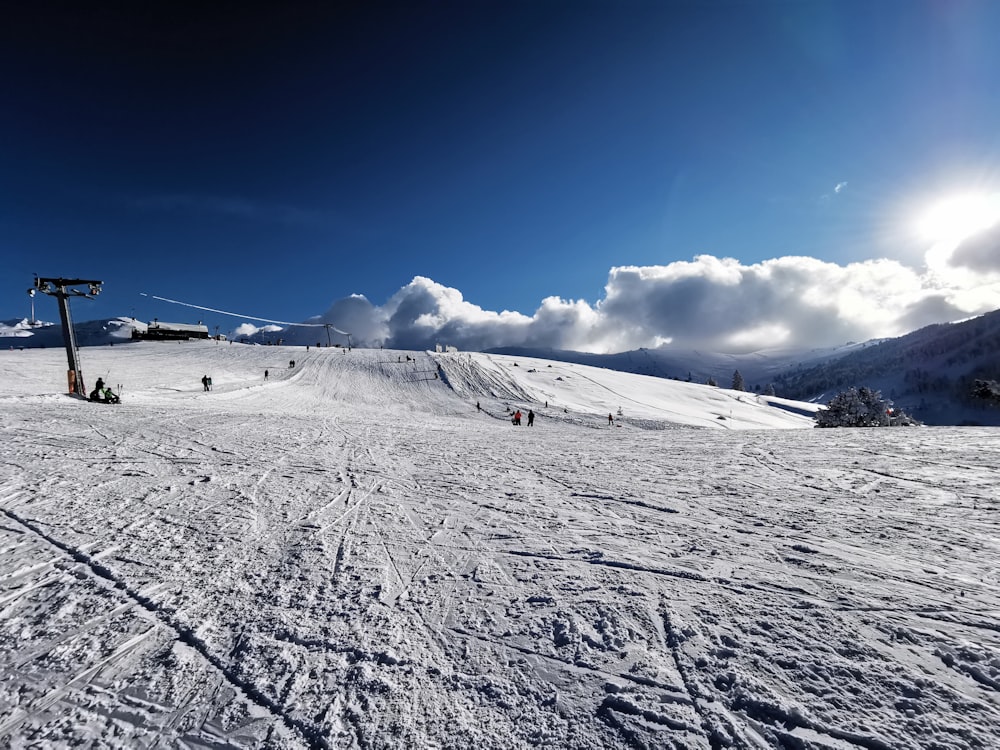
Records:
x=329, y=341
x=62, y=291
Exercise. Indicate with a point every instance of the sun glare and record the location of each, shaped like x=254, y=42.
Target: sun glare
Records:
x=962, y=216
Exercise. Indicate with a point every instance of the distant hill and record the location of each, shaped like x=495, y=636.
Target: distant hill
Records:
x=927, y=373
x=757, y=368
x=20, y=334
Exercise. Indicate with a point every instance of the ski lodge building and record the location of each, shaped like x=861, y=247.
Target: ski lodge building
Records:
x=157, y=331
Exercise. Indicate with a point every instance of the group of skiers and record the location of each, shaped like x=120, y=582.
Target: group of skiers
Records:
x=516, y=415
x=516, y=418
x=103, y=395
x=206, y=382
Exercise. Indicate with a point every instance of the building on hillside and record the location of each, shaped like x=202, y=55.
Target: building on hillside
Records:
x=157, y=331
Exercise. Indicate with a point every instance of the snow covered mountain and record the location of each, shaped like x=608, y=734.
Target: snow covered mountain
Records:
x=22, y=334
x=347, y=552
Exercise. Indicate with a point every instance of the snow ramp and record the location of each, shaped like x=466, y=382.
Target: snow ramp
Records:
x=481, y=376
x=361, y=379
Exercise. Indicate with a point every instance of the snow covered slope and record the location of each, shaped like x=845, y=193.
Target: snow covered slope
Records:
x=151, y=372
x=349, y=554
x=639, y=400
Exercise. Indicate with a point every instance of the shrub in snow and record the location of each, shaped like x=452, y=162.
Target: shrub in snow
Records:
x=986, y=389
x=861, y=407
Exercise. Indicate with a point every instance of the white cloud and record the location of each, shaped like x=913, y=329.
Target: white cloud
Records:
x=840, y=187
x=249, y=329
x=979, y=252
x=713, y=303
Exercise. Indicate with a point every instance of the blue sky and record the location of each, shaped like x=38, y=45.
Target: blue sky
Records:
x=272, y=159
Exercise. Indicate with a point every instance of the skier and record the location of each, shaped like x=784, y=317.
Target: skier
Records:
x=517, y=417
x=611, y=420
x=100, y=384
x=531, y=418
x=204, y=382
x=110, y=397
x=209, y=384
x=265, y=374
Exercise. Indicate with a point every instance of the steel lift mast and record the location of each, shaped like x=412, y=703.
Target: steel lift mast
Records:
x=62, y=291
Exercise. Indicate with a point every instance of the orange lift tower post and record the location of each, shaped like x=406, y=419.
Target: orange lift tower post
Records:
x=62, y=291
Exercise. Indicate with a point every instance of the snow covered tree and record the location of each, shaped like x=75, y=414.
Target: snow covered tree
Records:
x=769, y=391
x=738, y=384
x=986, y=389
x=859, y=407
x=711, y=381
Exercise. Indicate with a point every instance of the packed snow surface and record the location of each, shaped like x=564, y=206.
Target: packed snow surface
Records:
x=350, y=554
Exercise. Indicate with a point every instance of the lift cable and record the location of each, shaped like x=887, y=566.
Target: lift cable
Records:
x=328, y=326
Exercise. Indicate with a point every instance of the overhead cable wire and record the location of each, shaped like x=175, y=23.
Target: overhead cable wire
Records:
x=248, y=317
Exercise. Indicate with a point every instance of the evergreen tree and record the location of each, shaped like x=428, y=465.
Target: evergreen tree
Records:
x=711, y=381
x=738, y=384
x=769, y=391
x=860, y=407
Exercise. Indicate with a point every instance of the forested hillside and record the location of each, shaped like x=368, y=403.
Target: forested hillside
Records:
x=929, y=372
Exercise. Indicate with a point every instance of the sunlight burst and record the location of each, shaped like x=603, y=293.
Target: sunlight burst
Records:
x=959, y=217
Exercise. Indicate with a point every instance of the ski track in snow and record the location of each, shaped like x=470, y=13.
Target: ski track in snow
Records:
x=351, y=555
